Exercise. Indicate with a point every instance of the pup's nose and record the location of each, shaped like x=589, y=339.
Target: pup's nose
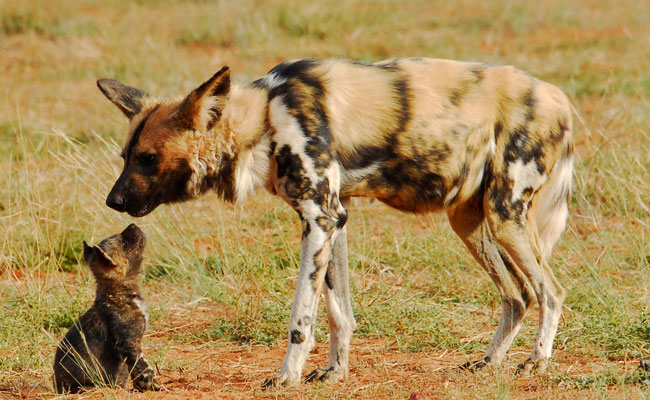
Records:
x=115, y=201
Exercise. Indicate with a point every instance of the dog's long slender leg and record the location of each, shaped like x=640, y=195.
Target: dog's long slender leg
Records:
x=318, y=234
x=339, y=311
x=550, y=296
x=469, y=222
x=506, y=210
x=340, y=269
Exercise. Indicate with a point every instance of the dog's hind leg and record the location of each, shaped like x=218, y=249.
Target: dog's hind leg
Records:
x=469, y=222
x=339, y=311
x=512, y=205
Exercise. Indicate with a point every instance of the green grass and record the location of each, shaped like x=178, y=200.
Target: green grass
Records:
x=412, y=280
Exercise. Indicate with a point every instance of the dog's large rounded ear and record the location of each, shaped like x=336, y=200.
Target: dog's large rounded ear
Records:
x=128, y=99
x=202, y=108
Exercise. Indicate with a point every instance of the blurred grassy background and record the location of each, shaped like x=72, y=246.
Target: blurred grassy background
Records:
x=412, y=278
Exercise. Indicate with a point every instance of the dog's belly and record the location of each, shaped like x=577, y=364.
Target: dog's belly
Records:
x=419, y=173
x=412, y=185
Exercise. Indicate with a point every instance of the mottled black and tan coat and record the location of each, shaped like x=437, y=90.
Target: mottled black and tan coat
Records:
x=489, y=145
x=103, y=346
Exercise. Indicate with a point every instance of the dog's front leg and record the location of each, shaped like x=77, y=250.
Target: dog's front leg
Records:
x=143, y=376
x=319, y=231
x=339, y=308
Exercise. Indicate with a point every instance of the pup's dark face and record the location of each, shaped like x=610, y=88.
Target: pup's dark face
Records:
x=119, y=256
x=161, y=149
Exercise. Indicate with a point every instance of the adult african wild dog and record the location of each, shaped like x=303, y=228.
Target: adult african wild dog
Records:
x=489, y=145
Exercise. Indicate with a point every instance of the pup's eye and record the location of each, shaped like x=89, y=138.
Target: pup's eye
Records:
x=123, y=243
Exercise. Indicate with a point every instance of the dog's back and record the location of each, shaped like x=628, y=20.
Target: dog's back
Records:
x=415, y=133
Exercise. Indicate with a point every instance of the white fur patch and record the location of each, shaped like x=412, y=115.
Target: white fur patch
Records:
x=524, y=176
x=287, y=129
x=332, y=173
x=206, y=113
x=288, y=132
x=355, y=175
x=479, y=179
x=553, y=211
x=252, y=169
x=143, y=309
x=273, y=80
x=492, y=148
x=451, y=195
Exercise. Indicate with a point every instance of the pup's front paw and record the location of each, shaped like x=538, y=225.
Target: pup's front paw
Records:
x=147, y=381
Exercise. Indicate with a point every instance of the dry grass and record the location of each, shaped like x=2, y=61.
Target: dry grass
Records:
x=414, y=285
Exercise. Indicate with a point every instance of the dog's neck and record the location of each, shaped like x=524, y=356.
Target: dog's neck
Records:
x=233, y=157
x=115, y=290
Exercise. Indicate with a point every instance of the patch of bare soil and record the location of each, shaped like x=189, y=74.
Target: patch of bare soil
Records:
x=200, y=368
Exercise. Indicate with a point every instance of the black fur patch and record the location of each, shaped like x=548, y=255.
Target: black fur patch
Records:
x=522, y=147
x=290, y=69
x=500, y=192
x=272, y=147
x=306, y=230
x=457, y=94
x=365, y=156
x=402, y=92
x=291, y=170
x=304, y=96
x=297, y=337
x=136, y=136
x=328, y=278
x=557, y=135
x=530, y=103
x=498, y=128
x=326, y=224
x=342, y=220
x=174, y=182
x=223, y=182
x=318, y=266
x=389, y=66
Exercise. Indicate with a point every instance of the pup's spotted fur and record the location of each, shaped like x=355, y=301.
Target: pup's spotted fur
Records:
x=491, y=146
x=103, y=346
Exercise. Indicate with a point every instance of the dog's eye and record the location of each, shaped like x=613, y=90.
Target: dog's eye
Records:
x=123, y=243
x=147, y=159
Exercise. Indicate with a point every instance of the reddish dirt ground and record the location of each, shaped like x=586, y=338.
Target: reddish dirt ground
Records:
x=216, y=369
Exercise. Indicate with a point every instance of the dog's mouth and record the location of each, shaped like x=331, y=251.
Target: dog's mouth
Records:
x=138, y=208
x=141, y=212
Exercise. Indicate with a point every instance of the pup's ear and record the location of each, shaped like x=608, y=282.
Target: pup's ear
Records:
x=128, y=99
x=89, y=253
x=94, y=254
x=203, y=107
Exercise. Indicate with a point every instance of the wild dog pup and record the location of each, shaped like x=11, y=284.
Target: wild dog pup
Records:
x=103, y=346
x=489, y=145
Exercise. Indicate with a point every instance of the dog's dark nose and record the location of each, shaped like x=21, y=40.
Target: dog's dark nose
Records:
x=115, y=201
